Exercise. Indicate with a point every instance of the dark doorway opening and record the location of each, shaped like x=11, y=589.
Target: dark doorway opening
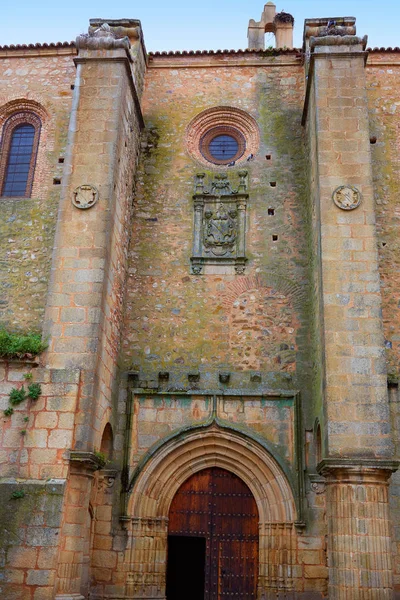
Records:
x=186, y=567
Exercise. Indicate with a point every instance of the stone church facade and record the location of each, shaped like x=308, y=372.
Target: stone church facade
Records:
x=207, y=243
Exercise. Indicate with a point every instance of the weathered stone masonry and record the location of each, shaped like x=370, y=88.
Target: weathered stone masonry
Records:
x=241, y=316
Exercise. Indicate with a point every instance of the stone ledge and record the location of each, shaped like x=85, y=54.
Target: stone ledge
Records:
x=357, y=470
x=31, y=361
x=88, y=460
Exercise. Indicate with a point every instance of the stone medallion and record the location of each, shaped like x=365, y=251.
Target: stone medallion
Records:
x=85, y=196
x=347, y=197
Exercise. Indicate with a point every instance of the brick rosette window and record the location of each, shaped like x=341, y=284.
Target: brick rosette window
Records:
x=19, y=146
x=221, y=136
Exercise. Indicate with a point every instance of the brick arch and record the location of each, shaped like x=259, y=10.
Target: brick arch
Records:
x=263, y=322
x=22, y=105
x=175, y=461
x=285, y=286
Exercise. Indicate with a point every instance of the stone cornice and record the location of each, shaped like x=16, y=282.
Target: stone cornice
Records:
x=87, y=460
x=357, y=470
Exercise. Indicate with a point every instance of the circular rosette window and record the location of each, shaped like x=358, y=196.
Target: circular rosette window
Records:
x=222, y=136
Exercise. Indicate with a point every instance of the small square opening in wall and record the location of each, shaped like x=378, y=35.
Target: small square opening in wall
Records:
x=274, y=237
x=61, y=159
x=56, y=181
x=272, y=183
x=268, y=156
x=271, y=212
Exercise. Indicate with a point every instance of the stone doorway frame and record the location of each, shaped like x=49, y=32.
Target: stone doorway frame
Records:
x=162, y=475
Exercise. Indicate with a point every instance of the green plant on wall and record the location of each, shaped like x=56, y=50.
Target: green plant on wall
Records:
x=16, y=345
x=34, y=391
x=17, y=494
x=101, y=457
x=17, y=396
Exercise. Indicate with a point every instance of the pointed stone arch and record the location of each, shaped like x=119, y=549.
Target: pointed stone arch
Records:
x=162, y=474
x=178, y=459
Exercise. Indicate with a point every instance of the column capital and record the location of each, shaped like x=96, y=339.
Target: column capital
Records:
x=357, y=470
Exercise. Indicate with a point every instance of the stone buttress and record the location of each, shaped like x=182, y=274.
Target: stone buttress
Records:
x=357, y=446
x=83, y=316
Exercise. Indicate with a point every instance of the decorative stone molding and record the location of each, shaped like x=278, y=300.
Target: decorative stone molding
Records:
x=102, y=38
x=219, y=223
x=218, y=118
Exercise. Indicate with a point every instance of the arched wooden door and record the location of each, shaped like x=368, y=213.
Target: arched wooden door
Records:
x=213, y=539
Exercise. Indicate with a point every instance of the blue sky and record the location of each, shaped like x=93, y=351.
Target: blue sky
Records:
x=178, y=25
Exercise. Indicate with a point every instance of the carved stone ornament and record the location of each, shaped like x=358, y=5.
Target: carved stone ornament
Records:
x=317, y=484
x=219, y=223
x=347, y=197
x=106, y=479
x=102, y=38
x=85, y=196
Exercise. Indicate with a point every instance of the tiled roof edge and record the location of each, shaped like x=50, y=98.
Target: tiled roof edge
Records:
x=268, y=52
x=36, y=46
x=162, y=53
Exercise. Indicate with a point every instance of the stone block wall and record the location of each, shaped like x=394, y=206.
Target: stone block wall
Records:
x=30, y=513
x=36, y=438
x=383, y=78
x=156, y=417
x=39, y=81
x=175, y=319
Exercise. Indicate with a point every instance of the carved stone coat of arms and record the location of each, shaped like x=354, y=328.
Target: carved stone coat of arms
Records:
x=219, y=223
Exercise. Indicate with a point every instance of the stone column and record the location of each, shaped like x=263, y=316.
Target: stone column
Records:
x=74, y=530
x=359, y=542
x=277, y=550
x=355, y=418
x=147, y=558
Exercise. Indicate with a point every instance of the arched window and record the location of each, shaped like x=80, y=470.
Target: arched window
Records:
x=19, y=144
x=318, y=444
x=107, y=442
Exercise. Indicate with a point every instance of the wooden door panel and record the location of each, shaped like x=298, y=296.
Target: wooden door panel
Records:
x=216, y=504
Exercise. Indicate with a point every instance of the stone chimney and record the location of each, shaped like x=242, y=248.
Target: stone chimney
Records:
x=280, y=24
